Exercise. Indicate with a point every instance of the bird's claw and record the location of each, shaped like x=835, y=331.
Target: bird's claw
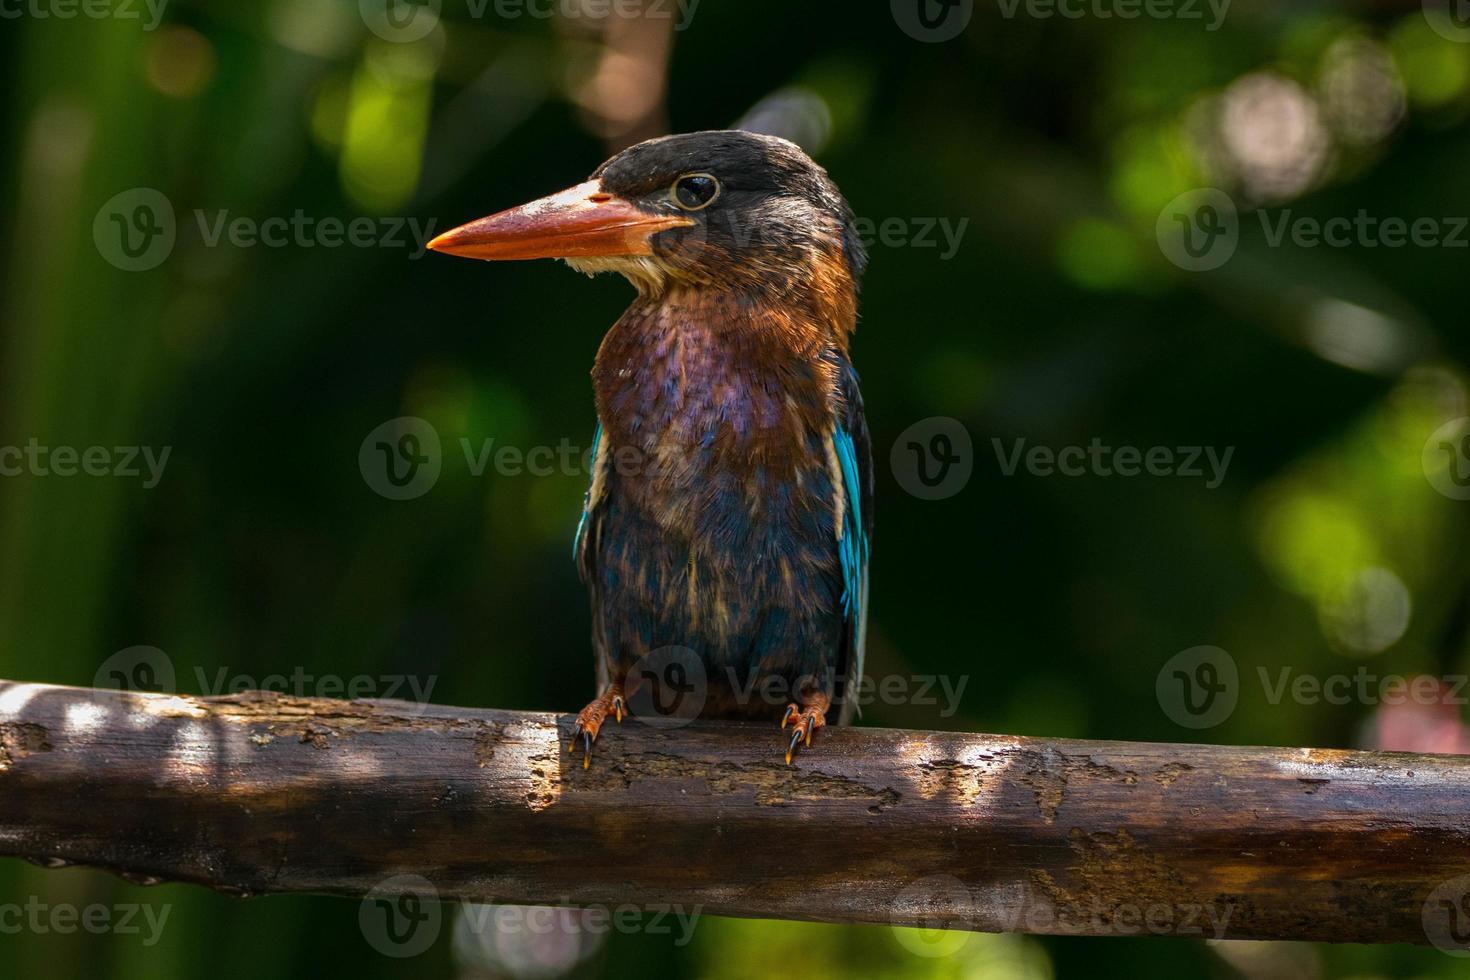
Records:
x=590, y=719
x=804, y=721
x=587, y=732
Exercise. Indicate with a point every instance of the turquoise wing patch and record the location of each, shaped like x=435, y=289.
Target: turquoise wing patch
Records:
x=853, y=551
x=854, y=543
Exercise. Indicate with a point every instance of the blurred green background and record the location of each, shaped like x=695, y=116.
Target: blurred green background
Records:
x=1058, y=319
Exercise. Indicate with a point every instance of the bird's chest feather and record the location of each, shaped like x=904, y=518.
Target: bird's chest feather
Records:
x=717, y=420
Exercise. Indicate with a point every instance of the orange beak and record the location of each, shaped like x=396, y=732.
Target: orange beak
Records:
x=580, y=221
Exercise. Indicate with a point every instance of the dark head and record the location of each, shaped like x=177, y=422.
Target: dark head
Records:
x=721, y=209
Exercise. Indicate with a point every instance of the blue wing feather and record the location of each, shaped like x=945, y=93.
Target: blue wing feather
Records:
x=854, y=538
x=855, y=458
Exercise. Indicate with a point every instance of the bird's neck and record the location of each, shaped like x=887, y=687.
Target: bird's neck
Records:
x=799, y=309
x=696, y=364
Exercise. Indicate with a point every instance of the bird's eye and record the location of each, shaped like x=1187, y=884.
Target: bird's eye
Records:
x=694, y=192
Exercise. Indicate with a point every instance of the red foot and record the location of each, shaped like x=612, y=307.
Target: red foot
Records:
x=806, y=718
x=590, y=719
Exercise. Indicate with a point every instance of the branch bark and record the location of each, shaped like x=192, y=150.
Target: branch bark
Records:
x=262, y=793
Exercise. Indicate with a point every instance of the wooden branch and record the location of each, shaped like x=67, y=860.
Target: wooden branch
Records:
x=263, y=793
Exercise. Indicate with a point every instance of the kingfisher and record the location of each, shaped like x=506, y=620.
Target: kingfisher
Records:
x=730, y=510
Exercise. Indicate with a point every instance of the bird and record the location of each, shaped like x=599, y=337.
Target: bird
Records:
x=730, y=509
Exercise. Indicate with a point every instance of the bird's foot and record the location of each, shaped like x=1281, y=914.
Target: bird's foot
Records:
x=804, y=718
x=590, y=719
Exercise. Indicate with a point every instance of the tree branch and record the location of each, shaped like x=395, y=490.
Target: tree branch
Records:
x=264, y=793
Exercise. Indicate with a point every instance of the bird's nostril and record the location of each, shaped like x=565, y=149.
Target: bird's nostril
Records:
x=600, y=198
